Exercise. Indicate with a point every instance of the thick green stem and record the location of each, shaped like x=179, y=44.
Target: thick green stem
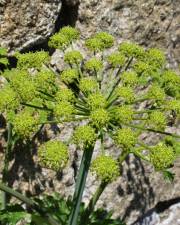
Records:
x=6, y=164
x=80, y=184
x=92, y=203
x=29, y=202
x=97, y=194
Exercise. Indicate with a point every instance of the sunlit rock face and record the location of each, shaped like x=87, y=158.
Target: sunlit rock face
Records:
x=24, y=23
x=150, y=23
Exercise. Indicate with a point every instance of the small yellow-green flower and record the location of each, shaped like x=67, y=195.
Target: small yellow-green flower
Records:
x=8, y=99
x=142, y=68
x=96, y=100
x=70, y=32
x=94, y=64
x=58, y=41
x=157, y=120
x=126, y=94
x=84, y=136
x=106, y=168
x=106, y=39
x=65, y=94
x=69, y=75
x=73, y=57
x=116, y=59
x=94, y=44
x=155, y=57
x=63, y=110
x=23, y=84
x=53, y=155
x=25, y=124
x=88, y=85
x=129, y=78
x=131, y=49
x=44, y=78
x=123, y=114
x=32, y=59
x=162, y=156
x=156, y=93
x=173, y=105
x=126, y=138
x=99, y=118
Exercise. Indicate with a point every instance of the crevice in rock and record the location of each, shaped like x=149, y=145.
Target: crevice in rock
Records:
x=67, y=16
x=160, y=207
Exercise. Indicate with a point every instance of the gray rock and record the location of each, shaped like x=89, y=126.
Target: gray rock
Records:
x=25, y=23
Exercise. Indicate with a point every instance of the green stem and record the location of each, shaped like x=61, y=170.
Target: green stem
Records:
x=92, y=203
x=152, y=130
x=80, y=184
x=35, y=107
x=29, y=202
x=6, y=164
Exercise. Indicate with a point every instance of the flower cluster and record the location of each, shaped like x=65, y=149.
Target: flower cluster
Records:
x=53, y=155
x=121, y=95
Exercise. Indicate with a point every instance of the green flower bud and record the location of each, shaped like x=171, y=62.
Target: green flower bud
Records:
x=63, y=110
x=73, y=57
x=94, y=44
x=157, y=120
x=106, y=39
x=156, y=93
x=106, y=168
x=126, y=138
x=84, y=136
x=70, y=32
x=58, y=41
x=99, y=118
x=32, y=59
x=69, y=75
x=8, y=99
x=142, y=68
x=96, y=100
x=44, y=78
x=126, y=93
x=171, y=83
x=123, y=114
x=94, y=64
x=65, y=94
x=53, y=155
x=131, y=50
x=129, y=78
x=88, y=85
x=25, y=124
x=116, y=59
x=155, y=57
x=23, y=85
x=173, y=105
x=162, y=156
x=170, y=76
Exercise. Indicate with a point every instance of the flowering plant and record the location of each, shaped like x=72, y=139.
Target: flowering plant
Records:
x=118, y=92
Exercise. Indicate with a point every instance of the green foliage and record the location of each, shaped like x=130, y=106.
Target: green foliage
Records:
x=88, y=85
x=3, y=57
x=69, y=75
x=59, y=208
x=99, y=118
x=116, y=59
x=73, y=57
x=126, y=138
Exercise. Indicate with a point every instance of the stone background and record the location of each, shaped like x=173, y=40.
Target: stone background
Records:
x=140, y=196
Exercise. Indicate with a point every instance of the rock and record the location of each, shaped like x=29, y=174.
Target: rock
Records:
x=26, y=23
x=150, y=23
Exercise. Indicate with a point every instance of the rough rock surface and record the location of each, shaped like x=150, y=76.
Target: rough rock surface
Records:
x=150, y=23
x=24, y=23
